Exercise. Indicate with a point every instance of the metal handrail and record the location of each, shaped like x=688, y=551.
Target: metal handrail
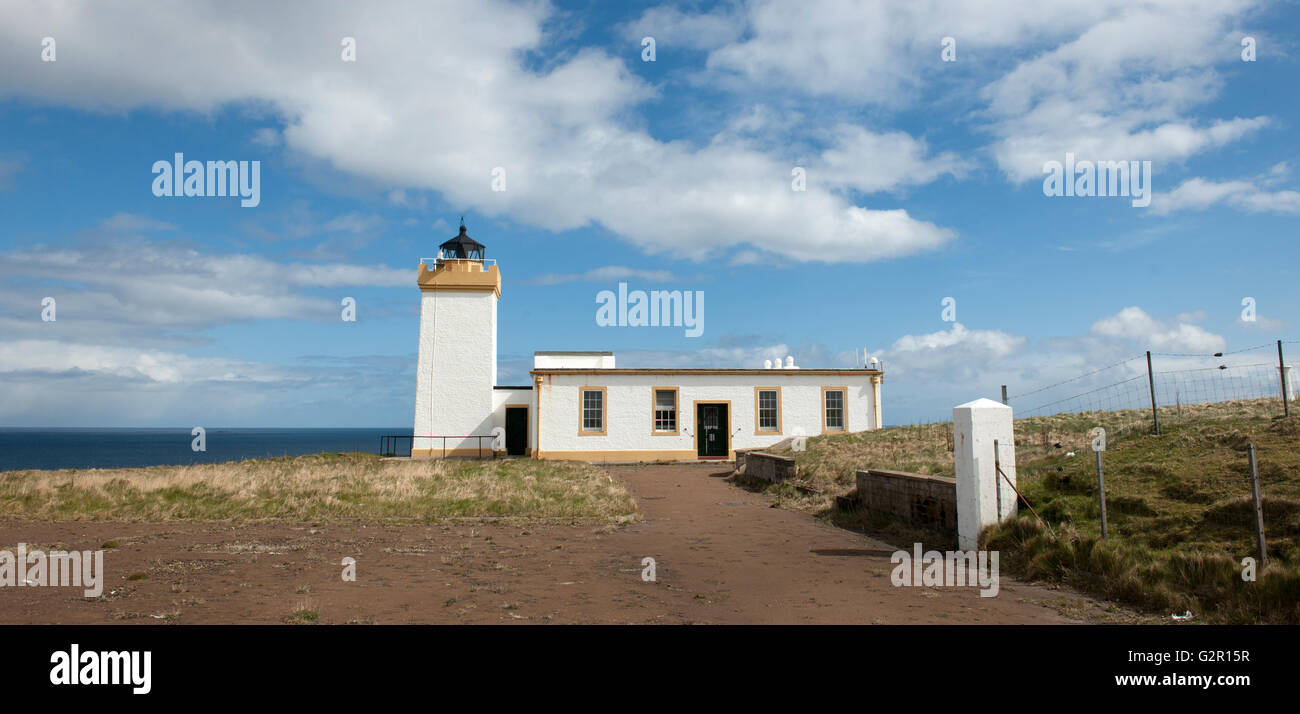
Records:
x=388, y=443
x=486, y=261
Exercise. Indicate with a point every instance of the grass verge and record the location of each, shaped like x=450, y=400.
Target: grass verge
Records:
x=319, y=487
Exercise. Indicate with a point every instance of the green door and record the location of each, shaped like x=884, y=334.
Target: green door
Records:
x=711, y=430
x=516, y=431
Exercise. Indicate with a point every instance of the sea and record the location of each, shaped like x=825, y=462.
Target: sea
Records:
x=86, y=448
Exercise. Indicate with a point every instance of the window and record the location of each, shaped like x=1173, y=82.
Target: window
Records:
x=833, y=409
x=665, y=410
x=767, y=409
x=593, y=411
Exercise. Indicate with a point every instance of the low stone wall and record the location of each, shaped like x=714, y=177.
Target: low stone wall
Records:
x=767, y=467
x=916, y=499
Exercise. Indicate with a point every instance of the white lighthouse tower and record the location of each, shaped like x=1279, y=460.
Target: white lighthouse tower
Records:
x=458, y=350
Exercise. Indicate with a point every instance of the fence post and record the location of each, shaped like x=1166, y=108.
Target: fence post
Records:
x=1259, y=507
x=1101, y=494
x=1281, y=370
x=997, y=469
x=1151, y=380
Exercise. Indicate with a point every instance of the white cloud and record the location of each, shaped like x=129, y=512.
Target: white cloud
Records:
x=1121, y=89
x=265, y=137
x=137, y=286
x=604, y=274
x=354, y=223
x=827, y=48
x=956, y=352
x=130, y=223
x=1104, y=79
x=1134, y=324
x=1248, y=195
x=450, y=117
x=77, y=383
x=935, y=371
x=1032, y=140
x=671, y=27
x=129, y=363
x=128, y=308
x=1270, y=325
x=871, y=162
x=398, y=197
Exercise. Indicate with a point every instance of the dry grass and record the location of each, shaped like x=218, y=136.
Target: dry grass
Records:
x=1178, y=505
x=1205, y=582
x=830, y=462
x=320, y=487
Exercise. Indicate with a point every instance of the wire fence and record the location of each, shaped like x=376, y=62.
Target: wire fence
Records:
x=1220, y=501
x=1167, y=385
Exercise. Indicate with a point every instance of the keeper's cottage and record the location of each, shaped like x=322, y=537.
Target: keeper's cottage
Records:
x=579, y=405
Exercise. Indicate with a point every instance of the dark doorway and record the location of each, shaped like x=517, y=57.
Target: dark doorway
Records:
x=712, y=430
x=516, y=431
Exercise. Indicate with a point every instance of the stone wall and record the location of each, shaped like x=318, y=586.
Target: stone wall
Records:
x=767, y=467
x=919, y=500
x=740, y=460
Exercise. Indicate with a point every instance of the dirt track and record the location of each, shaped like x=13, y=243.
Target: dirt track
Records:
x=722, y=556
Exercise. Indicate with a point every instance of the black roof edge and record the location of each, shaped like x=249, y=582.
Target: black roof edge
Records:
x=506, y=387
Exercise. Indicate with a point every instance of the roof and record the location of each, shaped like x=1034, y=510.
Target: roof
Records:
x=705, y=370
x=571, y=353
x=461, y=245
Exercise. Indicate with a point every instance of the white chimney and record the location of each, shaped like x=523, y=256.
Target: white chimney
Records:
x=789, y=362
x=767, y=364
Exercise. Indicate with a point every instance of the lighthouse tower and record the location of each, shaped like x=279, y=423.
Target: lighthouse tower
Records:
x=458, y=350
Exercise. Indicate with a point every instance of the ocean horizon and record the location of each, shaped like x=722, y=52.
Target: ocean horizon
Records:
x=24, y=448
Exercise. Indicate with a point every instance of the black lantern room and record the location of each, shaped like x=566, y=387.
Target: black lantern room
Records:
x=462, y=247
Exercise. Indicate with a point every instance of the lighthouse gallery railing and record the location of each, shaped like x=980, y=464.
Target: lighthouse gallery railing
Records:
x=389, y=444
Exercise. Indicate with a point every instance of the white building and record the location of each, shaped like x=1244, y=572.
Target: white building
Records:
x=579, y=405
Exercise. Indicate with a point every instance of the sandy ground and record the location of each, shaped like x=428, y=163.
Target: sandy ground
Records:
x=722, y=555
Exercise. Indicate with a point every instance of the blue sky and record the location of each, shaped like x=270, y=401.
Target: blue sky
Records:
x=924, y=181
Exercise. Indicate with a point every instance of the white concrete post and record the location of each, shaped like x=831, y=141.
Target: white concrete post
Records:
x=975, y=426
